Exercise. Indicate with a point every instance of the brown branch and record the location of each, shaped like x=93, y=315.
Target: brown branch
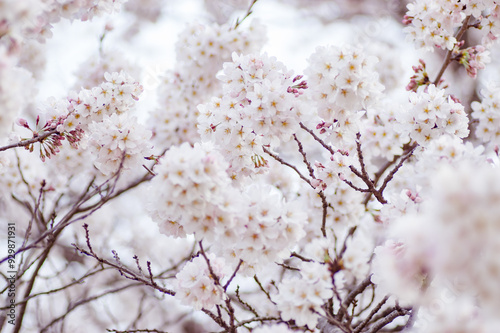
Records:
x=67, y=219
x=52, y=291
x=304, y=157
x=321, y=194
x=31, y=282
x=295, y=254
x=391, y=174
x=245, y=304
x=352, y=295
x=24, y=143
x=351, y=232
x=448, y=59
x=72, y=307
x=126, y=272
x=397, y=312
x=233, y=275
x=263, y=289
x=406, y=149
x=231, y=328
x=248, y=13
x=324, y=213
x=258, y=319
x=327, y=147
x=376, y=309
x=280, y=160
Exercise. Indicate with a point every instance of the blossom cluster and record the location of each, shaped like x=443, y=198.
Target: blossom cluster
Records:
x=434, y=24
x=192, y=194
x=99, y=117
x=334, y=201
x=196, y=285
x=454, y=229
x=301, y=299
x=260, y=107
x=432, y=114
x=33, y=19
x=90, y=73
x=200, y=52
x=343, y=82
x=486, y=113
x=119, y=142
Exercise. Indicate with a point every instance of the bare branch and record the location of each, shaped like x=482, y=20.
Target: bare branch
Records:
x=327, y=147
x=448, y=59
x=248, y=13
x=35, y=139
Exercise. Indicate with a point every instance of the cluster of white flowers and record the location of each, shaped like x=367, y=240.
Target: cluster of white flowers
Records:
x=265, y=231
x=99, y=117
x=196, y=285
x=486, y=113
x=33, y=19
x=119, y=141
x=193, y=194
x=342, y=82
x=379, y=135
x=209, y=46
x=432, y=114
x=450, y=243
x=411, y=185
x=19, y=17
x=91, y=72
x=452, y=314
x=301, y=299
x=433, y=23
x=115, y=96
x=201, y=51
x=259, y=108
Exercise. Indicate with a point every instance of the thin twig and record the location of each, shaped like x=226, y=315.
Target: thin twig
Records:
x=398, y=312
x=352, y=295
x=280, y=160
x=233, y=275
x=327, y=147
x=447, y=60
x=376, y=309
x=248, y=13
x=24, y=143
x=304, y=157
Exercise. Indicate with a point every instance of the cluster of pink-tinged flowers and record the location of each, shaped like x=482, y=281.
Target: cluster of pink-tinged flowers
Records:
x=434, y=24
x=51, y=139
x=472, y=58
x=420, y=77
x=261, y=106
x=98, y=116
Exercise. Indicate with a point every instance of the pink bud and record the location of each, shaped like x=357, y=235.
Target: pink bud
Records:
x=22, y=122
x=319, y=165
